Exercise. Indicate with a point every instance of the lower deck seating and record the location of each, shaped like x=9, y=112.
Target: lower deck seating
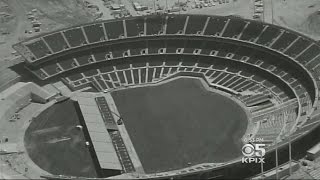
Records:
x=271, y=126
x=251, y=100
x=131, y=76
x=56, y=42
x=39, y=48
x=261, y=107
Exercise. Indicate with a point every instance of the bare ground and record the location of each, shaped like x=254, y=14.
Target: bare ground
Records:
x=300, y=15
x=52, y=14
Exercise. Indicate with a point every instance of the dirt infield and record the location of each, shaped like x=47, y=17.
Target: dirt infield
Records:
x=55, y=145
x=180, y=122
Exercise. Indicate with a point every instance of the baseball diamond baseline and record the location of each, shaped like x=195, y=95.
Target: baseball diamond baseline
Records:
x=272, y=70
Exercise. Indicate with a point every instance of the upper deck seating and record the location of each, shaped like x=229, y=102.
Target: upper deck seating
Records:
x=268, y=35
x=308, y=54
x=252, y=31
x=215, y=26
x=195, y=24
x=94, y=32
x=234, y=28
x=38, y=48
x=75, y=37
x=155, y=25
x=284, y=41
x=297, y=47
x=114, y=29
x=135, y=27
x=175, y=24
x=56, y=42
x=314, y=63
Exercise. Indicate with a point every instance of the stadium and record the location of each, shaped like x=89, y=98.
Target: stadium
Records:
x=169, y=97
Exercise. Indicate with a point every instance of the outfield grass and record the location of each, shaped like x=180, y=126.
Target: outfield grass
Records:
x=69, y=157
x=179, y=122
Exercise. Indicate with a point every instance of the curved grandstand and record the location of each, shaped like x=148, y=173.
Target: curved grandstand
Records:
x=271, y=70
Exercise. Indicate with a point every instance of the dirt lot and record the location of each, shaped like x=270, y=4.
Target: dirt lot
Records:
x=52, y=14
x=301, y=15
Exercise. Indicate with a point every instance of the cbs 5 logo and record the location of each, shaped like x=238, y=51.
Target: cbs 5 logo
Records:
x=250, y=150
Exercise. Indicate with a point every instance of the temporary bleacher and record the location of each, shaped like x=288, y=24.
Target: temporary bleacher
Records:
x=106, y=113
x=99, y=135
x=114, y=134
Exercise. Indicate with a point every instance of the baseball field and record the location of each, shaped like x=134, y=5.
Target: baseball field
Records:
x=55, y=144
x=180, y=123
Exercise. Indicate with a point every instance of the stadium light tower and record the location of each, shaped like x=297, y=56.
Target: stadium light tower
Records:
x=179, y=5
x=166, y=5
x=277, y=164
x=261, y=169
x=1, y=164
x=271, y=11
x=120, y=120
x=290, y=170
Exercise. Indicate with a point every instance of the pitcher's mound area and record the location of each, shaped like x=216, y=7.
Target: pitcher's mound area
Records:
x=180, y=122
